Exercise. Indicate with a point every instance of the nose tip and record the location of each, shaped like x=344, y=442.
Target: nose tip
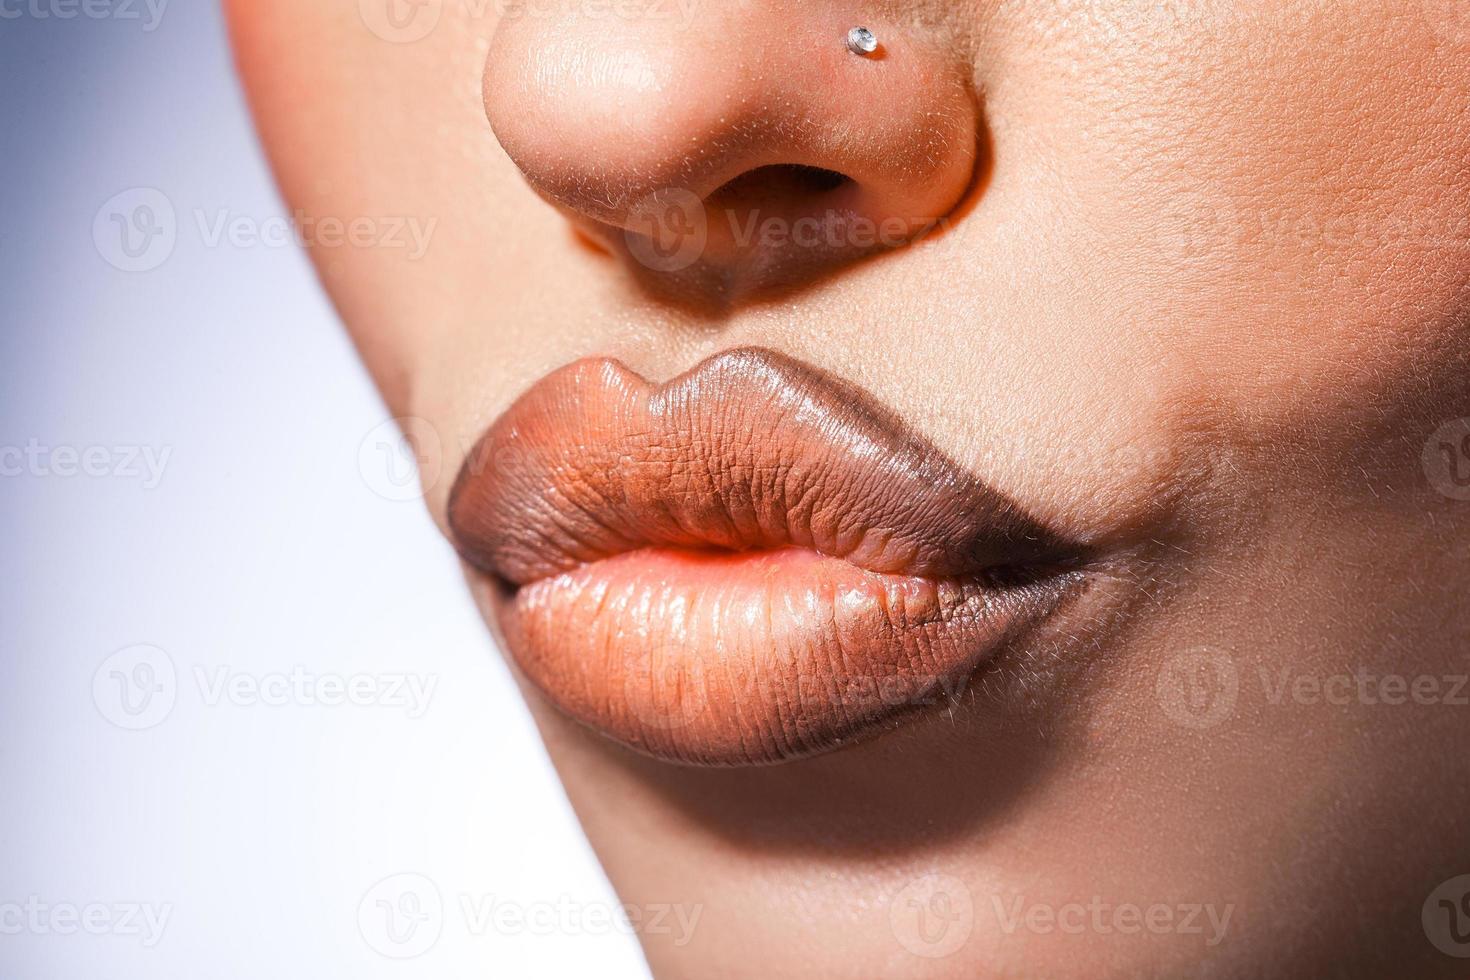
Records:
x=746, y=145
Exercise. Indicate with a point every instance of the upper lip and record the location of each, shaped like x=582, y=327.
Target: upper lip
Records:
x=749, y=450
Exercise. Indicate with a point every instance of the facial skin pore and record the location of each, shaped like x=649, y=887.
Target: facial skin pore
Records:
x=1184, y=280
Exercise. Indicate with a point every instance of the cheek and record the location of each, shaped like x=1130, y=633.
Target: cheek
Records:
x=1237, y=224
x=1293, y=176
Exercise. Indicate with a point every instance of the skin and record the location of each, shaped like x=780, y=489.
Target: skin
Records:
x=1203, y=300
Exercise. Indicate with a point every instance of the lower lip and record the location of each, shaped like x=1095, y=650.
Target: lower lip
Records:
x=753, y=658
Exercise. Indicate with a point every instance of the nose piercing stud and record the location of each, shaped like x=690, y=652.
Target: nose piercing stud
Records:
x=860, y=40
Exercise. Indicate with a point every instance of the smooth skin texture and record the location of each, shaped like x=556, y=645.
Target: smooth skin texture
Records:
x=1205, y=298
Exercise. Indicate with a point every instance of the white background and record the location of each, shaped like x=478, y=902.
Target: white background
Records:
x=260, y=830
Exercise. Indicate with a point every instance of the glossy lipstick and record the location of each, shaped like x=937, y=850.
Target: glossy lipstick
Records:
x=750, y=563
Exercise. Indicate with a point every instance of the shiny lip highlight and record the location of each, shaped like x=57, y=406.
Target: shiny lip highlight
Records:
x=750, y=563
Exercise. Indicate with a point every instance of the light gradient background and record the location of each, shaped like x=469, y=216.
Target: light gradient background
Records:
x=268, y=544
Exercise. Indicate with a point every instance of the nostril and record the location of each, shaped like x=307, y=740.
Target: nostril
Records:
x=782, y=187
x=716, y=179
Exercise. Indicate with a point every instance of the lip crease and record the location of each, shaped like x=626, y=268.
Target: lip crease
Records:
x=751, y=563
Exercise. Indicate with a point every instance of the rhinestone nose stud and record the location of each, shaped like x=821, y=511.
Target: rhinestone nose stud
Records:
x=860, y=40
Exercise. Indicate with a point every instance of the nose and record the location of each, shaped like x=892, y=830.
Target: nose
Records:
x=746, y=144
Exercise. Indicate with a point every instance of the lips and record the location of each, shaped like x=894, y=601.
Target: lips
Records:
x=750, y=563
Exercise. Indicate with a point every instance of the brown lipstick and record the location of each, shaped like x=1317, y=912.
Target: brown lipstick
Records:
x=750, y=563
